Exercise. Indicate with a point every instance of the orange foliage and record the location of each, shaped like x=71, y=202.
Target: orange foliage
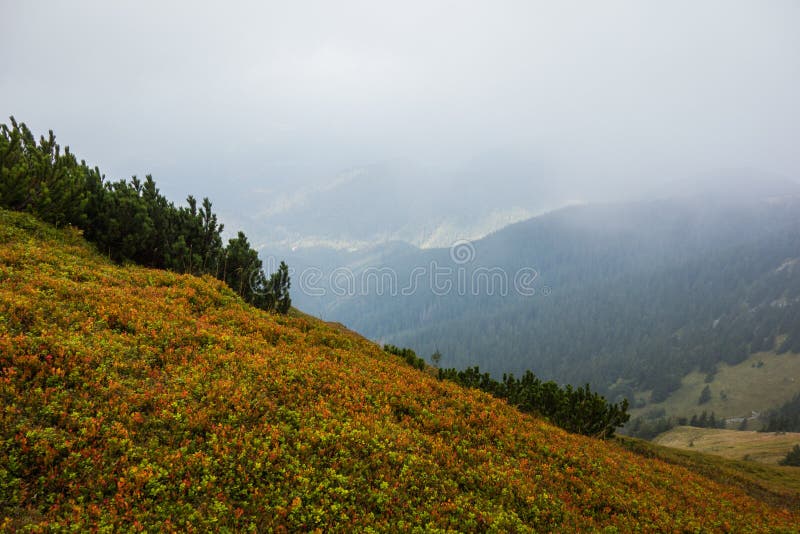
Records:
x=139, y=398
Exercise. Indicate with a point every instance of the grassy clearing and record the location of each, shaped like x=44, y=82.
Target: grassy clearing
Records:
x=762, y=382
x=765, y=447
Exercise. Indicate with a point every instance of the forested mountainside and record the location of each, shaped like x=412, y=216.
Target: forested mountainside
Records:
x=136, y=398
x=632, y=296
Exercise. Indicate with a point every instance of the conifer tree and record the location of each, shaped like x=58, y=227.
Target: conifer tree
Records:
x=705, y=395
x=792, y=457
x=242, y=268
x=279, y=285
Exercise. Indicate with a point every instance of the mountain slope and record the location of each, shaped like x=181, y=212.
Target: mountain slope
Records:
x=628, y=297
x=138, y=398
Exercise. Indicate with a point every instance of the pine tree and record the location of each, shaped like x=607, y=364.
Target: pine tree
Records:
x=280, y=284
x=705, y=395
x=211, y=246
x=39, y=178
x=792, y=457
x=242, y=268
x=702, y=421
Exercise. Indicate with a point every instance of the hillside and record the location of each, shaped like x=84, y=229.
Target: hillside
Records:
x=766, y=447
x=742, y=395
x=775, y=484
x=139, y=398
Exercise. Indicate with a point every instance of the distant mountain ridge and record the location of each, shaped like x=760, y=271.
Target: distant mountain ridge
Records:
x=433, y=207
x=401, y=200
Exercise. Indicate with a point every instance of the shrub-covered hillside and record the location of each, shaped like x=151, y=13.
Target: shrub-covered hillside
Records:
x=144, y=399
x=130, y=221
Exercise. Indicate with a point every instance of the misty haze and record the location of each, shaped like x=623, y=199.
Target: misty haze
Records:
x=272, y=266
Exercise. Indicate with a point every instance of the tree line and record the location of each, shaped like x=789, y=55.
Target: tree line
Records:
x=131, y=221
x=408, y=355
x=786, y=418
x=651, y=425
x=577, y=410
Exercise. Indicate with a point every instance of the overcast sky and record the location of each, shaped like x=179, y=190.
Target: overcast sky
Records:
x=606, y=97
